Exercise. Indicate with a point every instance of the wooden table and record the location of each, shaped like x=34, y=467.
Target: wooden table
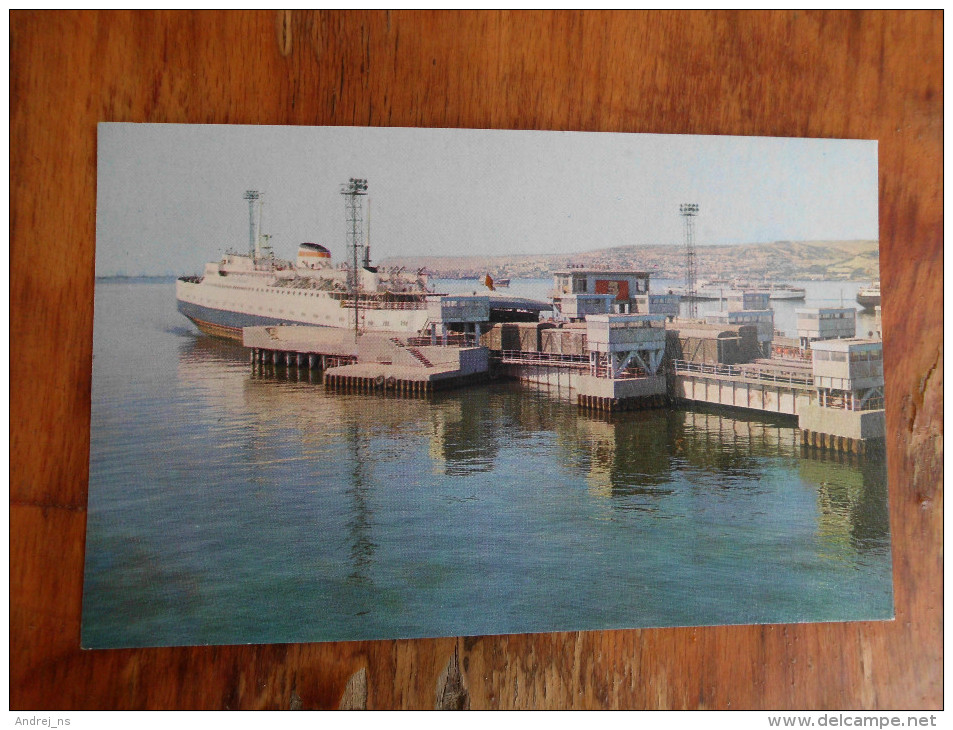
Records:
x=803, y=74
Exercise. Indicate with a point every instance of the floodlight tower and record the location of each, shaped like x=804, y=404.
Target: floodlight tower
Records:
x=352, y=191
x=254, y=222
x=688, y=211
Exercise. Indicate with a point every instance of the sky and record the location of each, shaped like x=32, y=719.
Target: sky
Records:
x=170, y=196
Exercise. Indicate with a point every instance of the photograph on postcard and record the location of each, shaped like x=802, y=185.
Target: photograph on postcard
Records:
x=371, y=383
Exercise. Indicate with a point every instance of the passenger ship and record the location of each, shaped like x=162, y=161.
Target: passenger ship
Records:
x=869, y=296
x=244, y=290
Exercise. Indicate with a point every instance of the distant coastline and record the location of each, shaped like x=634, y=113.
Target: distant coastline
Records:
x=777, y=261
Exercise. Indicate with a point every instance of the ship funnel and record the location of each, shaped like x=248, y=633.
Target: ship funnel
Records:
x=313, y=256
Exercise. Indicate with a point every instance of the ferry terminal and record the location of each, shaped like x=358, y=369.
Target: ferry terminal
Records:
x=609, y=339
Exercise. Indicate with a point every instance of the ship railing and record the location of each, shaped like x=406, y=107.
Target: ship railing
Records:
x=378, y=304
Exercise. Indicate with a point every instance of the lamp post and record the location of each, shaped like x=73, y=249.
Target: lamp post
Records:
x=254, y=227
x=352, y=191
x=688, y=211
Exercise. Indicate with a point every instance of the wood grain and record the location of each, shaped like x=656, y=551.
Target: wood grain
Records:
x=839, y=74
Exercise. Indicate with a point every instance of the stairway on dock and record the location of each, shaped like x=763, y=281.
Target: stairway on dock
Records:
x=417, y=354
x=420, y=356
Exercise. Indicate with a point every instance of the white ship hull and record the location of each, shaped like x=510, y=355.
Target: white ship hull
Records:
x=223, y=309
x=709, y=293
x=793, y=294
x=869, y=296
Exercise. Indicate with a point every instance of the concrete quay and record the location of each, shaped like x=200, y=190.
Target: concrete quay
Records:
x=376, y=362
x=820, y=441
x=400, y=381
x=836, y=429
x=630, y=394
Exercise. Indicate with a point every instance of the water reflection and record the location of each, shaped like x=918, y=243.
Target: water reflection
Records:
x=717, y=440
x=203, y=350
x=464, y=433
x=298, y=442
x=637, y=449
x=851, y=501
x=362, y=547
x=629, y=458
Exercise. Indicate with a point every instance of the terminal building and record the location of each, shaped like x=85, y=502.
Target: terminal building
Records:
x=579, y=293
x=849, y=373
x=835, y=323
x=847, y=413
x=749, y=300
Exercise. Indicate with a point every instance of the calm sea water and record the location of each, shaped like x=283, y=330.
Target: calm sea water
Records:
x=227, y=507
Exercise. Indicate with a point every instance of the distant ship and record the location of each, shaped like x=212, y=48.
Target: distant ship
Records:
x=784, y=291
x=706, y=291
x=490, y=283
x=869, y=296
x=717, y=289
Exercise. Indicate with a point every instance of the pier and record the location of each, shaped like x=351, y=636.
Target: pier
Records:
x=827, y=380
x=379, y=363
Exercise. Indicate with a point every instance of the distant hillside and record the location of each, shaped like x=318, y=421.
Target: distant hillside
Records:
x=804, y=260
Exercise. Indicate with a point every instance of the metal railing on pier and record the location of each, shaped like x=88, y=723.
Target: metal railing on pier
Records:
x=630, y=373
x=454, y=340
x=740, y=371
x=875, y=403
x=531, y=357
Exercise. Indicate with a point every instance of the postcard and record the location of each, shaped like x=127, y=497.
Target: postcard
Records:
x=372, y=383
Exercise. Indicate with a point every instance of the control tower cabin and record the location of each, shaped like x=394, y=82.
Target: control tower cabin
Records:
x=581, y=292
x=832, y=323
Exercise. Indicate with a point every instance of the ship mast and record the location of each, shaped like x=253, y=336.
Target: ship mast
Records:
x=352, y=191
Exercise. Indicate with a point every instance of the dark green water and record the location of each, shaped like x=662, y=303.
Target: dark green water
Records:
x=227, y=507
